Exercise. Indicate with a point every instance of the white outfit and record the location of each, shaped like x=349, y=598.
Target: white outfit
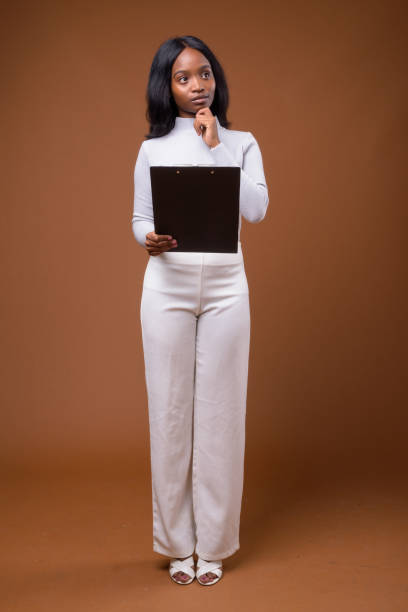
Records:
x=196, y=330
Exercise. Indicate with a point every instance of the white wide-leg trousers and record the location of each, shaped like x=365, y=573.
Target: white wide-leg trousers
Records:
x=196, y=330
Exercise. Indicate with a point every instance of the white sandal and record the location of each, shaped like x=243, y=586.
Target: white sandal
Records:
x=182, y=566
x=208, y=566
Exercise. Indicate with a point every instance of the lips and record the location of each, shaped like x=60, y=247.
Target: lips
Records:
x=199, y=98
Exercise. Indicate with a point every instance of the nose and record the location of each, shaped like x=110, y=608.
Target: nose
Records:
x=196, y=85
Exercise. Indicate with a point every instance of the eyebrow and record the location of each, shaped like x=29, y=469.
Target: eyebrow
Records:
x=203, y=66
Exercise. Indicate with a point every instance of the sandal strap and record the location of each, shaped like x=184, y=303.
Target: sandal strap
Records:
x=208, y=566
x=182, y=566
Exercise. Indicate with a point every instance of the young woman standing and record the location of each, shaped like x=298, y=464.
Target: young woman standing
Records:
x=195, y=320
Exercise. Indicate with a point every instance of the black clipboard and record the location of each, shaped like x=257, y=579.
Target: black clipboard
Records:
x=197, y=205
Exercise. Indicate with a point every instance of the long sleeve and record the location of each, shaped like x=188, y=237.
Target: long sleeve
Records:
x=142, y=219
x=254, y=196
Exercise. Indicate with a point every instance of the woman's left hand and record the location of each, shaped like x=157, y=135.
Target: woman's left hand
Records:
x=209, y=132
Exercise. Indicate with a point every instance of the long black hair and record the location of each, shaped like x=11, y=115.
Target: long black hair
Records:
x=162, y=110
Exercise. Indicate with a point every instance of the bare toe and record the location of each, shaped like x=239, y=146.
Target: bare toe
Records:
x=208, y=577
x=181, y=576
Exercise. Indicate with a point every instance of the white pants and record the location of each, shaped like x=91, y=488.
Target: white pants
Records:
x=196, y=328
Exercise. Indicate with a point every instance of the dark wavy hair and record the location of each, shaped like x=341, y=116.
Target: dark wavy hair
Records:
x=162, y=110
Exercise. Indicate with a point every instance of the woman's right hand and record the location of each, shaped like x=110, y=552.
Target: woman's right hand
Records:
x=157, y=243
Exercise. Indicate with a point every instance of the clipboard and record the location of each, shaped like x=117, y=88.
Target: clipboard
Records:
x=197, y=205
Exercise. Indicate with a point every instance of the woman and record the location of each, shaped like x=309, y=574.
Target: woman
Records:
x=195, y=320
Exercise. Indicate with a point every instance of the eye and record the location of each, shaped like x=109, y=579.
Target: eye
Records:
x=207, y=72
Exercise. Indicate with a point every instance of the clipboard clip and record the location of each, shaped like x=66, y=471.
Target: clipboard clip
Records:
x=212, y=171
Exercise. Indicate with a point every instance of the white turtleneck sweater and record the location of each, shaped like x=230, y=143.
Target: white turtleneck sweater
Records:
x=184, y=146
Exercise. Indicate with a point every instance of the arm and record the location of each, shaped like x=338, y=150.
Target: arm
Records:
x=142, y=219
x=253, y=198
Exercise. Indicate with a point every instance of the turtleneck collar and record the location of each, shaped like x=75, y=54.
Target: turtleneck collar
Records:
x=186, y=123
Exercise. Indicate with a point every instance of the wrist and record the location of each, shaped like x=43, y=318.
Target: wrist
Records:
x=215, y=144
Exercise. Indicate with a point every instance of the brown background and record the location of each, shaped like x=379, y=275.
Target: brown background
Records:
x=321, y=86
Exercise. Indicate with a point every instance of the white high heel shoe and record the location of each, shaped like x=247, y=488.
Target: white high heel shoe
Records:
x=208, y=566
x=176, y=565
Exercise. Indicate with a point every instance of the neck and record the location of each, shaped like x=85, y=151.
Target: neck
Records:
x=186, y=123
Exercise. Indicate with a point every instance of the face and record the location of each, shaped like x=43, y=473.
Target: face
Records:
x=192, y=77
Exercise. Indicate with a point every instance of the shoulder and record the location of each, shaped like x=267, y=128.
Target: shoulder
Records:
x=237, y=134
x=151, y=145
x=239, y=137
